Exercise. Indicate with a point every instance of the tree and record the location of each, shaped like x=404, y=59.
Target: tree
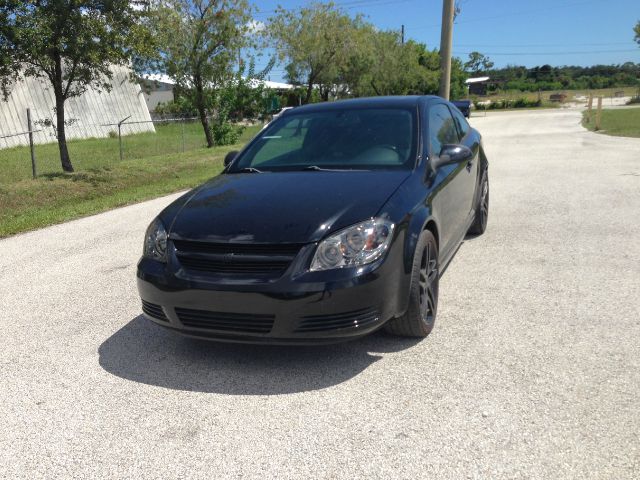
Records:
x=71, y=44
x=636, y=30
x=247, y=94
x=199, y=41
x=478, y=63
x=383, y=65
x=316, y=42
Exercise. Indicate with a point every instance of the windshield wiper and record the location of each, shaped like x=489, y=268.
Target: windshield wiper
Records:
x=250, y=170
x=316, y=168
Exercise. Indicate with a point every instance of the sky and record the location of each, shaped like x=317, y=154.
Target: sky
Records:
x=529, y=33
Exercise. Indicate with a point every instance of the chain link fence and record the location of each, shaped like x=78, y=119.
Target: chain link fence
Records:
x=120, y=141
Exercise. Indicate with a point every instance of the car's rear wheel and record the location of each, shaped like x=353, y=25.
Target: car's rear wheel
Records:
x=479, y=224
x=420, y=316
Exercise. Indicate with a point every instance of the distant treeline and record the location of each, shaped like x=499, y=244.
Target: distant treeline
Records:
x=546, y=77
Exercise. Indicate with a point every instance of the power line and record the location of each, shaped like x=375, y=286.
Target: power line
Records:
x=543, y=44
x=552, y=53
x=510, y=14
x=350, y=5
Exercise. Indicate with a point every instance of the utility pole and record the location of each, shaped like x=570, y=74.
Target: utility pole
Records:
x=402, y=35
x=446, y=35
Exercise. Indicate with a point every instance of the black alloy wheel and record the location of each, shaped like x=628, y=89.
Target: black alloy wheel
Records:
x=420, y=316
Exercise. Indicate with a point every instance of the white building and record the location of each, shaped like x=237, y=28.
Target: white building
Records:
x=87, y=115
x=158, y=88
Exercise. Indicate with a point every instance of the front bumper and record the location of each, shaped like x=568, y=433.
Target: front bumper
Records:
x=313, y=307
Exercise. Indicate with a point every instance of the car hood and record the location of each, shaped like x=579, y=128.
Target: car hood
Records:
x=281, y=207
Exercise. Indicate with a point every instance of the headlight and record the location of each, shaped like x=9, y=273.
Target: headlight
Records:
x=354, y=246
x=155, y=242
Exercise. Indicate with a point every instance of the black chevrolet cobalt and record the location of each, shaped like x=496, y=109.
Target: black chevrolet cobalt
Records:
x=337, y=219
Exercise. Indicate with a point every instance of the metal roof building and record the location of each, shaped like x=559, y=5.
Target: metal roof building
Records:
x=477, y=85
x=87, y=115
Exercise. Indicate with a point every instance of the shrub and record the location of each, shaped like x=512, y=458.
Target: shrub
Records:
x=224, y=132
x=517, y=103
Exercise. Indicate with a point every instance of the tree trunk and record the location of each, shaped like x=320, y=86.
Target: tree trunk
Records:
x=324, y=93
x=65, y=160
x=307, y=97
x=202, y=111
x=373, y=85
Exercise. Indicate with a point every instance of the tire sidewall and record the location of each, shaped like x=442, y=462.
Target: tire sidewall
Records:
x=426, y=237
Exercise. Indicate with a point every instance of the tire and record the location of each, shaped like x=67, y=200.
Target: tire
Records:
x=420, y=316
x=479, y=224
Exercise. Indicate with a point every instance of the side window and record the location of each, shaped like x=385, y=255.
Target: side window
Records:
x=442, y=128
x=461, y=122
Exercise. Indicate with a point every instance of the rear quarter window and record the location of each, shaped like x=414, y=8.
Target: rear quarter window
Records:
x=461, y=123
x=442, y=128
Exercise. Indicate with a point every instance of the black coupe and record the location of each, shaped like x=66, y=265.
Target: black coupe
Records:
x=335, y=220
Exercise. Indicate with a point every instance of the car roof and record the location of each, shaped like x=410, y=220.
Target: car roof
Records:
x=369, y=102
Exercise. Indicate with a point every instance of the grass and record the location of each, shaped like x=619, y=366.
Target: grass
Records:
x=622, y=122
x=87, y=154
x=153, y=166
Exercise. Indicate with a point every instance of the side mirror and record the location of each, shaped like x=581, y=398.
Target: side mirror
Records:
x=230, y=157
x=451, y=154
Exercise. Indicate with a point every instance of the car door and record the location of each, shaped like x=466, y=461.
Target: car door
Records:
x=451, y=201
x=471, y=141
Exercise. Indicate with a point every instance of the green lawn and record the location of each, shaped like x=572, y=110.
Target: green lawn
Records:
x=154, y=165
x=623, y=122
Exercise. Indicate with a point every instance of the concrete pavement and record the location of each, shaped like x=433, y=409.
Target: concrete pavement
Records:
x=532, y=370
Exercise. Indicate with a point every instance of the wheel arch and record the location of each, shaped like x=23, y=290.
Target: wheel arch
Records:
x=421, y=220
x=433, y=228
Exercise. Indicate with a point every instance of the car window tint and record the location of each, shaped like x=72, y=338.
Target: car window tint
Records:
x=461, y=123
x=289, y=138
x=350, y=138
x=442, y=129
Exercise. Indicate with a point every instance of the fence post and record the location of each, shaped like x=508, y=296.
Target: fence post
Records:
x=182, y=124
x=599, y=113
x=33, y=152
x=120, y=139
x=120, y=134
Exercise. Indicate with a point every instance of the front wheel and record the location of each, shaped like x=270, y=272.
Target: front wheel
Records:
x=420, y=316
x=479, y=224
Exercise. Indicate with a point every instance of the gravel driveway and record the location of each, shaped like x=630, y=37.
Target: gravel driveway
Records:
x=532, y=370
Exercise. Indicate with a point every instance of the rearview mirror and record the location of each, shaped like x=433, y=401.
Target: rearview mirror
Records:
x=451, y=154
x=230, y=157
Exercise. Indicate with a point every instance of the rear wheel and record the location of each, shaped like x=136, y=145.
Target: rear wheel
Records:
x=420, y=316
x=479, y=224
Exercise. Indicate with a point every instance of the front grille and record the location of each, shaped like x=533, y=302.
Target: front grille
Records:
x=354, y=319
x=227, y=322
x=154, y=311
x=235, y=258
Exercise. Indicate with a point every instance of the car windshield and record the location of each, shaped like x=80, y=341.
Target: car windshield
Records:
x=346, y=139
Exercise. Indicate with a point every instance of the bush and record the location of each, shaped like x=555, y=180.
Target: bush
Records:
x=517, y=103
x=634, y=100
x=224, y=132
x=524, y=103
x=180, y=107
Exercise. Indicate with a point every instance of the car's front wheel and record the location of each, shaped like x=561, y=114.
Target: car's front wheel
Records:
x=420, y=316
